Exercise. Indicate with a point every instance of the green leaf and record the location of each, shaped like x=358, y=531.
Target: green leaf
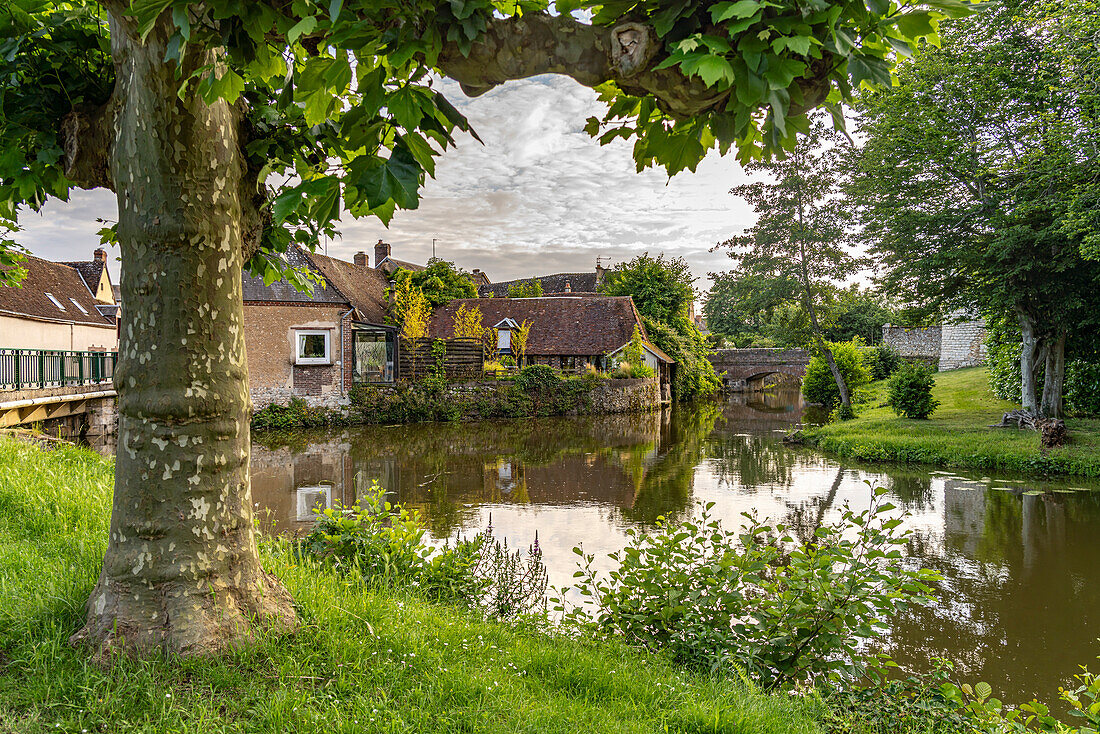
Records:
x=868, y=69
x=334, y=8
x=404, y=105
x=712, y=70
x=146, y=12
x=739, y=9
x=796, y=44
x=916, y=24
x=302, y=28
x=421, y=151
x=397, y=179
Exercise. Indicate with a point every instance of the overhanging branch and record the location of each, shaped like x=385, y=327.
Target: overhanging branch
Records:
x=87, y=138
x=529, y=45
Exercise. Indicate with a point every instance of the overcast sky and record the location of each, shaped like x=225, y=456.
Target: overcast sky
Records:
x=538, y=197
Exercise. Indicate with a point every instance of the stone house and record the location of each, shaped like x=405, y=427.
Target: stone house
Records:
x=60, y=306
x=316, y=345
x=567, y=331
x=958, y=342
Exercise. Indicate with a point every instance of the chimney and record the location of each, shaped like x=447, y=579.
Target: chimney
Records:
x=567, y=288
x=600, y=270
x=381, y=252
x=360, y=259
x=100, y=255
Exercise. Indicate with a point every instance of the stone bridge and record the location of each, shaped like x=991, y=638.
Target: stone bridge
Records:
x=743, y=366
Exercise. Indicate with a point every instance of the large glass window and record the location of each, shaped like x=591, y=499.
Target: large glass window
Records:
x=374, y=350
x=313, y=347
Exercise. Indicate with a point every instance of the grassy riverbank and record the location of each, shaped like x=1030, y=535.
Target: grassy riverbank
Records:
x=361, y=660
x=958, y=434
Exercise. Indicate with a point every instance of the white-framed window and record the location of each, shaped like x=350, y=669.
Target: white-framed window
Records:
x=77, y=304
x=504, y=340
x=313, y=346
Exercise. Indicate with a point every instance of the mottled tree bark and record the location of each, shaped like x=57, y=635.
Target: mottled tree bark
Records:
x=182, y=571
x=1029, y=348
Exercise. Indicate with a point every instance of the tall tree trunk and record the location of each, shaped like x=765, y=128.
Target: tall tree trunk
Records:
x=1054, y=376
x=181, y=573
x=1029, y=349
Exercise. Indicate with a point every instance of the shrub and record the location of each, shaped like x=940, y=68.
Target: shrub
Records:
x=628, y=370
x=495, y=369
x=819, y=386
x=1002, y=341
x=295, y=414
x=537, y=378
x=909, y=391
x=881, y=361
x=755, y=600
x=1082, y=388
x=385, y=544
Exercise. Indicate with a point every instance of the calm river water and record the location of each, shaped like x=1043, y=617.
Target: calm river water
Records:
x=1019, y=606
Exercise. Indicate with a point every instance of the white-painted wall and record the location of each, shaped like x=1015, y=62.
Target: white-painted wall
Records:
x=17, y=333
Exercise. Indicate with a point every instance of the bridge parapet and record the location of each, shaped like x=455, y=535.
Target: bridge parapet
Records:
x=742, y=365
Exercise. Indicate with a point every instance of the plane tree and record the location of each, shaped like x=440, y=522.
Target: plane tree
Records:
x=229, y=129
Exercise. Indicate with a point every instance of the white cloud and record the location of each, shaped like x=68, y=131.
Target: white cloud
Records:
x=539, y=196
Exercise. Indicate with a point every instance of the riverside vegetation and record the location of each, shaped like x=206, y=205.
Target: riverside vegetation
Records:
x=398, y=636
x=958, y=433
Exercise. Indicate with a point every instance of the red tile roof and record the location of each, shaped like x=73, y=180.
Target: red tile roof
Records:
x=64, y=283
x=565, y=325
x=364, y=287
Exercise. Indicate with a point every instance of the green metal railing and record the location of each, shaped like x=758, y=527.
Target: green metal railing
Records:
x=21, y=369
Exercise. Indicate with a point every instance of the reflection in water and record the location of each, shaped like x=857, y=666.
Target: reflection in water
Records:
x=1019, y=602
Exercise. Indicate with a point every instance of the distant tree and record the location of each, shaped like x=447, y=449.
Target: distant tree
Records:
x=662, y=291
x=856, y=311
x=526, y=289
x=441, y=282
x=741, y=308
x=468, y=322
x=973, y=181
x=801, y=234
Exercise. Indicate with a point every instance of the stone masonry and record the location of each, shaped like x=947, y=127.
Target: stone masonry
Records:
x=949, y=346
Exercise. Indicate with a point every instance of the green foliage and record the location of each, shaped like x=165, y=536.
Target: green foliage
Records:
x=909, y=391
x=661, y=289
x=296, y=414
x=1083, y=388
x=819, y=385
x=440, y=282
x=881, y=361
x=682, y=342
x=635, y=350
x=385, y=545
x=756, y=600
x=628, y=371
x=526, y=289
x=853, y=312
x=915, y=704
x=539, y=378
x=1002, y=340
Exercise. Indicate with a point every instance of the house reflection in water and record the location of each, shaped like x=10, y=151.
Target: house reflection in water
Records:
x=447, y=471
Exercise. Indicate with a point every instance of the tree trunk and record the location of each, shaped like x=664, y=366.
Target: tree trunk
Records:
x=182, y=572
x=1053, y=378
x=1029, y=348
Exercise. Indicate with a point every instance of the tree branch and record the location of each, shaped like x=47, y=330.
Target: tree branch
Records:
x=87, y=136
x=529, y=45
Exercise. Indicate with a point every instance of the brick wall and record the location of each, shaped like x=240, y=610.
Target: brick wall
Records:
x=269, y=344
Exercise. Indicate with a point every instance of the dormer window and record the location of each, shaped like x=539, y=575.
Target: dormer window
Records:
x=504, y=335
x=55, y=301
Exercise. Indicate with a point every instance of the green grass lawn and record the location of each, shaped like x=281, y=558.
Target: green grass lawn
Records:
x=957, y=434
x=361, y=661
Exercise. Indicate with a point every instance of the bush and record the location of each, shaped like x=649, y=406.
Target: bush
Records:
x=755, y=600
x=628, y=370
x=537, y=378
x=819, y=386
x=385, y=544
x=296, y=414
x=909, y=391
x=1002, y=341
x=881, y=361
x=1082, y=388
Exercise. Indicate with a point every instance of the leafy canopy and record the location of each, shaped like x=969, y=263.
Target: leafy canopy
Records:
x=440, y=282
x=341, y=99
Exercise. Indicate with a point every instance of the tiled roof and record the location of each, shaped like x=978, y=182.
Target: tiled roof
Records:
x=566, y=325
x=364, y=287
x=282, y=292
x=404, y=264
x=90, y=271
x=555, y=283
x=63, y=283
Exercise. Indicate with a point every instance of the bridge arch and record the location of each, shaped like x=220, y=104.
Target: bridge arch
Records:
x=739, y=367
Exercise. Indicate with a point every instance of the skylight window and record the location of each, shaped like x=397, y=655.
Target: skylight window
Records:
x=82, y=309
x=55, y=301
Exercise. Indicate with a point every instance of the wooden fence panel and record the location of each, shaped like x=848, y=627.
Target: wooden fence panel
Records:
x=464, y=358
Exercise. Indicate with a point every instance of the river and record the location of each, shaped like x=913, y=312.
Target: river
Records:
x=1019, y=606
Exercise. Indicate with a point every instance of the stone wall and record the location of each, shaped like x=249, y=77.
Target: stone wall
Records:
x=949, y=346
x=608, y=396
x=962, y=345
